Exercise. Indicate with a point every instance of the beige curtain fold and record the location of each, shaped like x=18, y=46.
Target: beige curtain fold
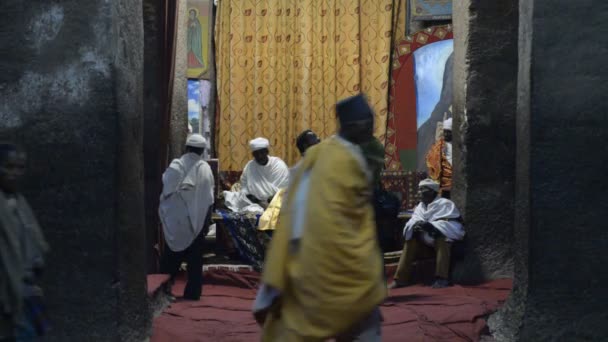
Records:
x=283, y=64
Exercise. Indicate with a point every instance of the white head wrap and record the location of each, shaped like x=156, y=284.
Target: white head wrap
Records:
x=196, y=140
x=429, y=183
x=447, y=124
x=258, y=144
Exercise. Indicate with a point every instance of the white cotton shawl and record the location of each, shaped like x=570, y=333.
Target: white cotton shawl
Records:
x=18, y=257
x=447, y=149
x=186, y=198
x=437, y=213
x=264, y=181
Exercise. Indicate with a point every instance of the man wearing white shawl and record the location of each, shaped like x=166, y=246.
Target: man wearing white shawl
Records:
x=435, y=224
x=185, y=212
x=262, y=178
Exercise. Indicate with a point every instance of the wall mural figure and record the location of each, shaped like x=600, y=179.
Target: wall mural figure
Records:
x=198, y=108
x=433, y=77
x=199, y=37
x=195, y=41
x=431, y=9
x=421, y=94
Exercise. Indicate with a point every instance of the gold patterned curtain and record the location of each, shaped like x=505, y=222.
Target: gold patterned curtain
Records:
x=283, y=64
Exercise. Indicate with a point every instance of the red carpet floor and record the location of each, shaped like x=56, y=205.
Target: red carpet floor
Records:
x=414, y=313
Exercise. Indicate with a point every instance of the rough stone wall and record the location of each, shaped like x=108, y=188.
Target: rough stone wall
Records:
x=179, y=102
x=562, y=276
x=213, y=92
x=485, y=65
x=152, y=125
x=134, y=319
x=71, y=90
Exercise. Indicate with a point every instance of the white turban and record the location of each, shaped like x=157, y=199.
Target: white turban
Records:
x=447, y=124
x=258, y=144
x=429, y=183
x=196, y=140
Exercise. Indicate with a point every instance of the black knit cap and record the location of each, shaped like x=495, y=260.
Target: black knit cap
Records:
x=354, y=108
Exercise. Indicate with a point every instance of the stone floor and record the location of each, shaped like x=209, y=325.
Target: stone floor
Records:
x=457, y=313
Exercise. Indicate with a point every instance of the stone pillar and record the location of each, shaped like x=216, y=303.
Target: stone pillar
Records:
x=212, y=108
x=152, y=126
x=561, y=275
x=71, y=90
x=179, y=102
x=485, y=65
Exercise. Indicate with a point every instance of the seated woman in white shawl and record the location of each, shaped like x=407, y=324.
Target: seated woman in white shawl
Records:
x=435, y=224
x=262, y=178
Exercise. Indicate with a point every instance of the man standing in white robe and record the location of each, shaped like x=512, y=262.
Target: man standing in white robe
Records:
x=262, y=178
x=185, y=212
x=435, y=224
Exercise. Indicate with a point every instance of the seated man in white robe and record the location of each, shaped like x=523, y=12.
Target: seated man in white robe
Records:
x=435, y=224
x=185, y=212
x=262, y=178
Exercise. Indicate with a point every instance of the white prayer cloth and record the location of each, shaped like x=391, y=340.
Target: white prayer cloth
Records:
x=239, y=203
x=447, y=149
x=447, y=124
x=429, y=183
x=196, y=140
x=264, y=181
x=258, y=144
x=186, y=198
x=438, y=213
x=293, y=170
x=261, y=181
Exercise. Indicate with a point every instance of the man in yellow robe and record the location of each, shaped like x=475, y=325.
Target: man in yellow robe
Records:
x=323, y=276
x=439, y=160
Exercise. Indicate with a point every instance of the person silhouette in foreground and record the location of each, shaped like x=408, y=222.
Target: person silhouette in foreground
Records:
x=323, y=276
x=22, y=250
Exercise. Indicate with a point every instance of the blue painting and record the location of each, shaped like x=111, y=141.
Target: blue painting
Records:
x=198, y=107
x=429, y=69
x=433, y=81
x=194, y=99
x=431, y=9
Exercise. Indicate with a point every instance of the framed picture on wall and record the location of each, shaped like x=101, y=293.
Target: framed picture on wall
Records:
x=200, y=35
x=431, y=9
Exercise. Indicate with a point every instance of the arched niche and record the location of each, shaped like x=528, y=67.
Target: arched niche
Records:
x=403, y=146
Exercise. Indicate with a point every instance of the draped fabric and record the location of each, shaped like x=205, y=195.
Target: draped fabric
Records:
x=399, y=22
x=332, y=276
x=283, y=64
x=186, y=198
x=442, y=214
x=440, y=168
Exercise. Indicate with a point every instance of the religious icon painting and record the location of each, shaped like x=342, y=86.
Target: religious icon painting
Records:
x=431, y=9
x=421, y=96
x=200, y=35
